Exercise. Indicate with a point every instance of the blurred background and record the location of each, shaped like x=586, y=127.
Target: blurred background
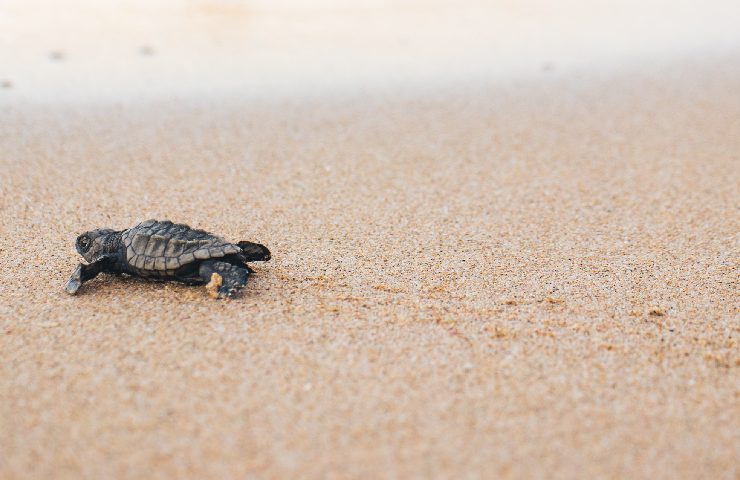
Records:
x=53, y=50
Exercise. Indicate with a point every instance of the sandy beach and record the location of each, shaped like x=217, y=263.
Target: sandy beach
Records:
x=495, y=279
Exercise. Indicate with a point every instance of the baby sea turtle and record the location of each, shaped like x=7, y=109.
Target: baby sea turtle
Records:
x=167, y=251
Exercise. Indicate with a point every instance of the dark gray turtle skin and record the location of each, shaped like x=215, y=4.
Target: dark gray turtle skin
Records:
x=167, y=251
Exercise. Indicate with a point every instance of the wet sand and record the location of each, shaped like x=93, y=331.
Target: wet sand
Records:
x=522, y=280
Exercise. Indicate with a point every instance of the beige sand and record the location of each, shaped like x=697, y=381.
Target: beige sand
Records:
x=461, y=285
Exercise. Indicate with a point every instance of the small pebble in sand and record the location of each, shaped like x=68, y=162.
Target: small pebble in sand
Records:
x=656, y=312
x=213, y=286
x=554, y=301
x=57, y=55
x=6, y=84
x=499, y=332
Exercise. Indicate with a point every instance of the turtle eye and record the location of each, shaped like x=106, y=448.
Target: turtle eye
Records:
x=84, y=243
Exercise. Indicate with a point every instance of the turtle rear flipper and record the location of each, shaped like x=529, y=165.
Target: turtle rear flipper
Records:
x=222, y=279
x=254, y=252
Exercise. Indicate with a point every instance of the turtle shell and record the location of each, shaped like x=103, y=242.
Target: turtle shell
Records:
x=154, y=248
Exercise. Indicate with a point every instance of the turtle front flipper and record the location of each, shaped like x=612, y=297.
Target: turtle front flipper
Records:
x=84, y=273
x=222, y=279
x=75, y=281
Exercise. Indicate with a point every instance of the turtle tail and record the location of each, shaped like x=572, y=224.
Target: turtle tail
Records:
x=254, y=252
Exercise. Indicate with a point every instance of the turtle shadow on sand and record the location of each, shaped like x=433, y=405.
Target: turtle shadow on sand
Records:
x=166, y=251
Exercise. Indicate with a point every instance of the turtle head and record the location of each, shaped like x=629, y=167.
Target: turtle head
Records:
x=97, y=243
